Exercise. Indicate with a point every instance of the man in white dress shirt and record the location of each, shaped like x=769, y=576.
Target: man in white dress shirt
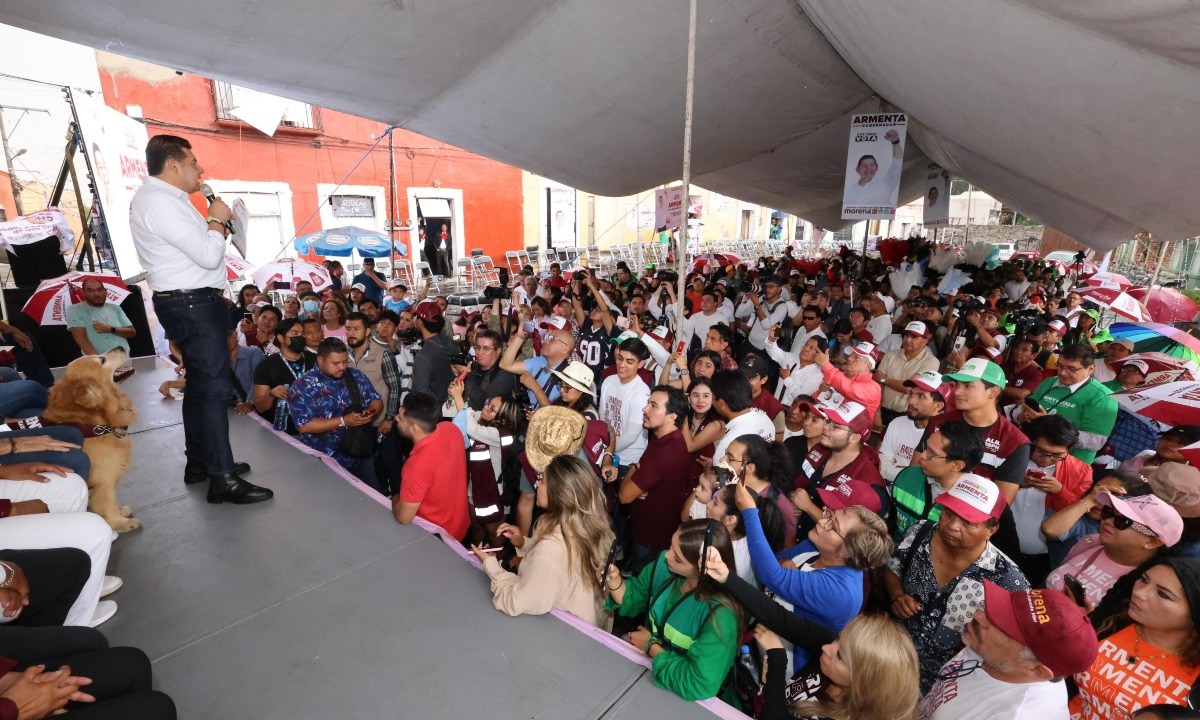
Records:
x=184, y=256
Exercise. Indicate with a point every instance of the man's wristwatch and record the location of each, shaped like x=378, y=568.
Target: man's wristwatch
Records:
x=9, y=574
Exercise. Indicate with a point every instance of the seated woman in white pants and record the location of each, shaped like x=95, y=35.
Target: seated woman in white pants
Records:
x=60, y=493
x=86, y=531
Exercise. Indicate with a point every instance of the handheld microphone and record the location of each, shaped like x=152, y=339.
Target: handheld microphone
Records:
x=209, y=196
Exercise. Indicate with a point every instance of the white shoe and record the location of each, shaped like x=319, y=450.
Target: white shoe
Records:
x=105, y=609
x=112, y=583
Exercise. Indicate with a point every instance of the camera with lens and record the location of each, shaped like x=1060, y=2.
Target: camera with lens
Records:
x=461, y=358
x=724, y=476
x=408, y=337
x=1025, y=320
x=967, y=305
x=667, y=276
x=496, y=292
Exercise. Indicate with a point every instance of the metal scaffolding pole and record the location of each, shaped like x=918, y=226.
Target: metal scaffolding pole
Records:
x=689, y=98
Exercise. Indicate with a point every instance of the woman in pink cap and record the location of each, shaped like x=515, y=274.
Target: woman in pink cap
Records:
x=1133, y=530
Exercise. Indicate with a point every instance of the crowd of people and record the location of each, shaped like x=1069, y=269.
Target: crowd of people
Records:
x=809, y=493
x=801, y=489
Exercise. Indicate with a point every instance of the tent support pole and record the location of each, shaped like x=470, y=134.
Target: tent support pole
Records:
x=1162, y=255
x=689, y=98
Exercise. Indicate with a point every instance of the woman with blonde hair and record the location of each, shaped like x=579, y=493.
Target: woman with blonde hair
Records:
x=569, y=546
x=867, y=672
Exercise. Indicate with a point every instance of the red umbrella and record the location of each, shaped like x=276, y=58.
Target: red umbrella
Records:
x=1173, y=403
x=1116, y=300
x=1161, y=367
x=236, y=267
x=1165, y=304
x=48, y=304
x=1108, y=279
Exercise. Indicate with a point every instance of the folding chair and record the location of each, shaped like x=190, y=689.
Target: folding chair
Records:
x=464, y=273
x=483, y=272
x=512, y=259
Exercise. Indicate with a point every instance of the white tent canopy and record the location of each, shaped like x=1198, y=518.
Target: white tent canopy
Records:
x=1080, y=114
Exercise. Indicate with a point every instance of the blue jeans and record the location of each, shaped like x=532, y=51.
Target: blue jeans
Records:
x=77, y=460
x=21, y=396
x=364, y=469
x=199, y=324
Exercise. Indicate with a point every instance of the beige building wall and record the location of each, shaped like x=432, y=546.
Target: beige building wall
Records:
x=607, y=221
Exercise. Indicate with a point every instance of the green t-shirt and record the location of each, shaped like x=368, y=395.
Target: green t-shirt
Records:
x=83, y=315
x=1091, y=408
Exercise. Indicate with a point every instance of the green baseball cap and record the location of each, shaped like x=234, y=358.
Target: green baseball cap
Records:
x=979, y=369
x=1102, y=337
x=1092, y=313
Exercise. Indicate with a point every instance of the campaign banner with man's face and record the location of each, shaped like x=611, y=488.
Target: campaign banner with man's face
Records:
x=873, y=165
x=668, y=207
x=117, y=147
x=936, y=200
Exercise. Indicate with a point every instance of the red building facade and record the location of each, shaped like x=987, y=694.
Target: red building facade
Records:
x=322, y=168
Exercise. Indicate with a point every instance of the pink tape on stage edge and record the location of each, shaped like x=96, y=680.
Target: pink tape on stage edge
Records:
x=607, y=639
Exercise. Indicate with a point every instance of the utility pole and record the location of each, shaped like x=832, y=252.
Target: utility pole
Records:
x=8, y=163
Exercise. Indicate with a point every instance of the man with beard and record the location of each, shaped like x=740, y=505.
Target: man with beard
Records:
x=839, y=459
x=926, y=399
x=431, y=366
x=374, y=359
x=320, y=403
x=655, y=487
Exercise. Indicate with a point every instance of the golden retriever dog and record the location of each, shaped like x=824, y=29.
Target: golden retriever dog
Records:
x=87, y=397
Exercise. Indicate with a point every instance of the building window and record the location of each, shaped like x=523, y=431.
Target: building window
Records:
x=228, y=97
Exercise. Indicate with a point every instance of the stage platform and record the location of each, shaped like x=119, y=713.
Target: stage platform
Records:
x=319, y=605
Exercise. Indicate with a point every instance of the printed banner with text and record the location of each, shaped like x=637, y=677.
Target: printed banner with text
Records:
x=873, y=165
x=937, y=197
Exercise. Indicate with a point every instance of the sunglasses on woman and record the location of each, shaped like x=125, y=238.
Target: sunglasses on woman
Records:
x=1121, y=522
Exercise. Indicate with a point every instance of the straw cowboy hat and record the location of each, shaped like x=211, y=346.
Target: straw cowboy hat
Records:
x=553, y=431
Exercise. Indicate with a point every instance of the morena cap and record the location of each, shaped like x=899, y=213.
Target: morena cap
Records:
x=931, y=382
x=973, y=498
x=918, y=328
x=979, y=369
x=1047, y=622
x=851, y=492
x=850, y=414
x=553, y=431
x=865, y=349
x=359, y=286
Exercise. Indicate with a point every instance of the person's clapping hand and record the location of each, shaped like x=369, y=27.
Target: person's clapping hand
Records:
x=511, y=533
x=715, y=566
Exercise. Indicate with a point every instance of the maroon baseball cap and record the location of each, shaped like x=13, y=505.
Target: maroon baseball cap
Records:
x=429, y=311
x=919, y=329
x=850, y=492
x=931, y=382
x=1047, y=622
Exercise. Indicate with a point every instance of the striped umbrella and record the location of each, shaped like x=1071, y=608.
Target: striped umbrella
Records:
x=1108, y=279
x=1116, y=300
x=1173, y=403
x=1157, y=337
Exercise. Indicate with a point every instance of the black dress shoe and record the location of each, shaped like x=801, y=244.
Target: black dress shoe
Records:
x=231, y=488
x=195, y=477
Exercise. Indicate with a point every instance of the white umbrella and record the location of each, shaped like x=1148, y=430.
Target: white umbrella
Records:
x=290, y=271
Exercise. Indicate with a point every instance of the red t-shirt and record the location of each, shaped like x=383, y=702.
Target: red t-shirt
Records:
x=664, y=475
x=1027, y=379
x=435, y=477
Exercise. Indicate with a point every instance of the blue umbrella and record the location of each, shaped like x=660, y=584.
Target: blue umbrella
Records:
x=343, y=241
